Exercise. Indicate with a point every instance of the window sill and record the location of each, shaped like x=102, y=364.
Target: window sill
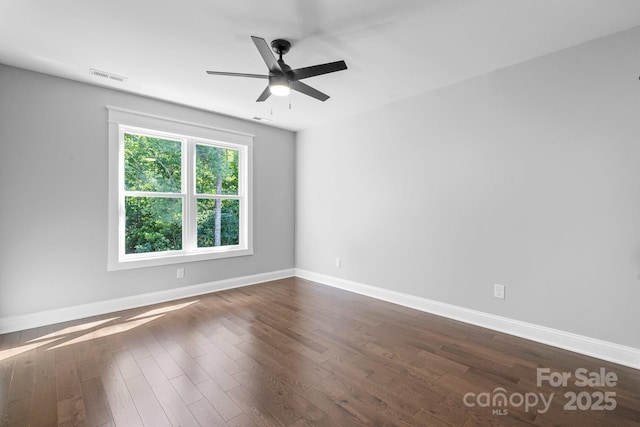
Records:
x=181, y=258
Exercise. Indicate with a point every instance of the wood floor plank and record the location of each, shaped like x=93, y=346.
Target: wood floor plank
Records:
x=169, y=399
x=44, y=404
x=187, y=390
x=6, y=372
x=206, y=414
x=219, y=399
x=135, y=344
x=281, y=401
x=88, y=369
x=71, y=411
x=127, y=364
x=96, y=404
x=19, y=412
x=221, y=358
x=190, y=367
x=21, y=386
x=288, y=353
x=170, y=368
x=228, y=348
x=365, y=415
x=67, y=380
x=241, y=421
x=257, y=410
x=218, y=372
x=304, y=394
x=70, y=402
x=149, y=408
x=123, y=408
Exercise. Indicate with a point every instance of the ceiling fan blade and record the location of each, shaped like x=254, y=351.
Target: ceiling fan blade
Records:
x=264, y=95
x=224, y=73
x=267, y=55
x=308, y=90
x=316, y=70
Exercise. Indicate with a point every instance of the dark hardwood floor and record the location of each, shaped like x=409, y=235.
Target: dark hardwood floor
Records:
x=295, y=353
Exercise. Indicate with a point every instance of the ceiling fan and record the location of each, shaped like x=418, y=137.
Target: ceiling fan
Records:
x=282, y=79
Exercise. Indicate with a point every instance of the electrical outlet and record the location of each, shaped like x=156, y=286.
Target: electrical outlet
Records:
x=338, y=262
x=498, y=291
x=180, y=273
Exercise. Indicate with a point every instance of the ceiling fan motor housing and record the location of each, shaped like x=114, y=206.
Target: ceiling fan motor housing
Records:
x=278, y=80
x=281, y=46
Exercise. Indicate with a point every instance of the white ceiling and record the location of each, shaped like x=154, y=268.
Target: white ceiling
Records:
x=394, y=48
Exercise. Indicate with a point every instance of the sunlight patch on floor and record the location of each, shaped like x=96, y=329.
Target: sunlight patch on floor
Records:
x=65, y=337
x=164, y=309
x=109, y=330
x=75, y=328
x=5, y=354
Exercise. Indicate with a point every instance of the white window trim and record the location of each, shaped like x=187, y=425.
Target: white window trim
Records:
x=120, y=119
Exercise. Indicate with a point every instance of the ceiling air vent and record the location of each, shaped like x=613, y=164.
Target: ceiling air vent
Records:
x=106, y=75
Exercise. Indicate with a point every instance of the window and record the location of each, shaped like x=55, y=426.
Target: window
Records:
x=179, y=191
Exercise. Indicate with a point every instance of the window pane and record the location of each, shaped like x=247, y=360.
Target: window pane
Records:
x=151, y=164
x=218, y=222
x=216, y=170
x=153, y=224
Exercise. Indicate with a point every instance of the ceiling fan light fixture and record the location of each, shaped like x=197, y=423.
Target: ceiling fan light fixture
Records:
x=280, y=89
x=279, y=86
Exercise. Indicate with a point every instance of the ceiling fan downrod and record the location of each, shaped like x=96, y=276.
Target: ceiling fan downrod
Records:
x=281, y=47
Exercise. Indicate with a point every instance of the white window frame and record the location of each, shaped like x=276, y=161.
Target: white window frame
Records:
x=123, y=121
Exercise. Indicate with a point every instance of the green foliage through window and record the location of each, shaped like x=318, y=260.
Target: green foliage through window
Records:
x=217, y=214
x=153, y=224
x=216, y=170
x=153, y=172
x=152, y=164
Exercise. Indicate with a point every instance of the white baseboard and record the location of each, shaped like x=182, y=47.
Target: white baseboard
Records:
x=616, y=353
x=49, y=317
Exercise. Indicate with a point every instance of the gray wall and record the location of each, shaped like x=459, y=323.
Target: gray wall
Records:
x=53, y=197
x=527, y=177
